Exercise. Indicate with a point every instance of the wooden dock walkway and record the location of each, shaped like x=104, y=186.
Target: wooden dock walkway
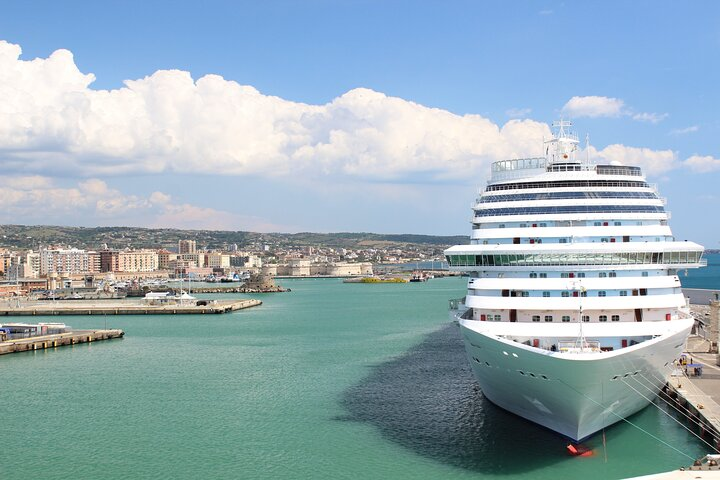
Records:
x=57, y=340
x=125, y=307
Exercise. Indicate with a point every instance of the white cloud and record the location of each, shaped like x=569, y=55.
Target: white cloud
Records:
x=652, y=162
x=702, y=164
x=683, y=131
x=518, y=112
x=34, y=198
x=650, y=117
x=51, y=121
x=594, y=106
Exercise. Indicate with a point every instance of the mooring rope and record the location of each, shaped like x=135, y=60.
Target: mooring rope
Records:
x=628, y=421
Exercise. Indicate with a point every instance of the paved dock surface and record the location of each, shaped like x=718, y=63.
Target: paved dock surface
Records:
x=124, y=307
x=41, y=342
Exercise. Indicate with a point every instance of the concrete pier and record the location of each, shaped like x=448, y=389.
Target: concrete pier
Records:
x=79, y=307
x=698, y=398
x=57, y=340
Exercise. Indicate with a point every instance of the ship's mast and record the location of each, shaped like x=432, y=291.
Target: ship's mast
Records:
x=563, y=145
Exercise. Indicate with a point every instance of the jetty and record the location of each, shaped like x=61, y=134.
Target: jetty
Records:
x=694, y=388
x=106, y=307
x=57, y=340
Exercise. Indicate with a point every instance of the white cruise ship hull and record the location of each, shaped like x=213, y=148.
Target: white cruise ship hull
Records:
x=574, y=394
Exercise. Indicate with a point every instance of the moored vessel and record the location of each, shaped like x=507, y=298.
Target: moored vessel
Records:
x=574, y=312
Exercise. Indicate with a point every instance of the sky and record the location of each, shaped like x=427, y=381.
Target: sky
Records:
x=328, y=116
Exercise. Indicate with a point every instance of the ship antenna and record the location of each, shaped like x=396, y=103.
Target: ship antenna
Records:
x=587, y=148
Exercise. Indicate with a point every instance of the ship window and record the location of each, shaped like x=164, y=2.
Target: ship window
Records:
x=536, y=318
x=604, y=240
x=563, y=240
x=602, y=293
x=548, y=318
x=623, y=293
x=586, y=318
x=603, y=318
x=644, y=274
x=597, y=224
x=498, y=318
x=643, y=291
x=615, y=318
x=564, y=275
x=565, y=318
x=502, y=225
x=533, y=275
x=617, y=224
x=565, y=294
x=523, y=225
x=546, y=294
x=543, y=275
x=581, y=274
x=612, y=274
x=543, y=224
x=505, y=293
x=525, y=294
x=602, y=274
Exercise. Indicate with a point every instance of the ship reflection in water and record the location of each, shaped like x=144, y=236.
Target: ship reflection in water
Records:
x=428, y=401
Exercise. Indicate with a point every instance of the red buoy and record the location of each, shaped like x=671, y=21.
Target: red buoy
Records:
x=579, y=450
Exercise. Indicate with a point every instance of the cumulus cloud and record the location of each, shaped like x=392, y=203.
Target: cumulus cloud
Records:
x=51, y=120
x=653, y=162
x=37, y=198
x=594, y=106
x=597, y=106
x=702, y=164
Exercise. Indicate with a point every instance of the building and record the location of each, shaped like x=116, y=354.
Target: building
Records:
x=217, y=260
x=137, y=261
x=31, y=262
x=94, y=263
x=164, y=259
x=60, y=260
x=109, y=260
x=187, y=246
x=193, y=259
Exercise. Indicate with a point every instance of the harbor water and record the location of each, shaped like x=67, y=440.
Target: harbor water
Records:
x=331, y=380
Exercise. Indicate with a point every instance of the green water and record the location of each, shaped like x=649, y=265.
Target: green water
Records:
x=330, y=380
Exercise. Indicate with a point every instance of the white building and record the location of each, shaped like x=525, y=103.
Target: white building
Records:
x=60, y=260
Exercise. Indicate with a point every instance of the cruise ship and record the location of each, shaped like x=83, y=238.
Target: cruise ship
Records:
x=574, y=312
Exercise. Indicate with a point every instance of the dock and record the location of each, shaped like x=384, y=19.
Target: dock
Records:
x=57, y=340
x=698, y=398
x=127, y=307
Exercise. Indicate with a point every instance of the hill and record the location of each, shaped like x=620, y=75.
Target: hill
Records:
x=23, y=236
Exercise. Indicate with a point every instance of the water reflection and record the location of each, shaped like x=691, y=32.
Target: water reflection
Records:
x=428, y=401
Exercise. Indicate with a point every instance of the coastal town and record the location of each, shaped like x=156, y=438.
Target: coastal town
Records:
x=63, y=270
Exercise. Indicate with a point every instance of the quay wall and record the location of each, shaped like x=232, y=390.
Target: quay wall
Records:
x=701, y=296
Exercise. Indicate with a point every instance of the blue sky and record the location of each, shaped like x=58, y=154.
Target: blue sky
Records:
x=357, y=116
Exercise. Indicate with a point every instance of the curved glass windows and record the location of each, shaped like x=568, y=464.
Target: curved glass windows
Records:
x=565, y=184
x=560, y=209
x=572, y=259
x=565, y=196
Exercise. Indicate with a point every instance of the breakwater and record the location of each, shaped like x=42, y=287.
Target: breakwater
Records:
x=57, y=340
x=79, y=307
